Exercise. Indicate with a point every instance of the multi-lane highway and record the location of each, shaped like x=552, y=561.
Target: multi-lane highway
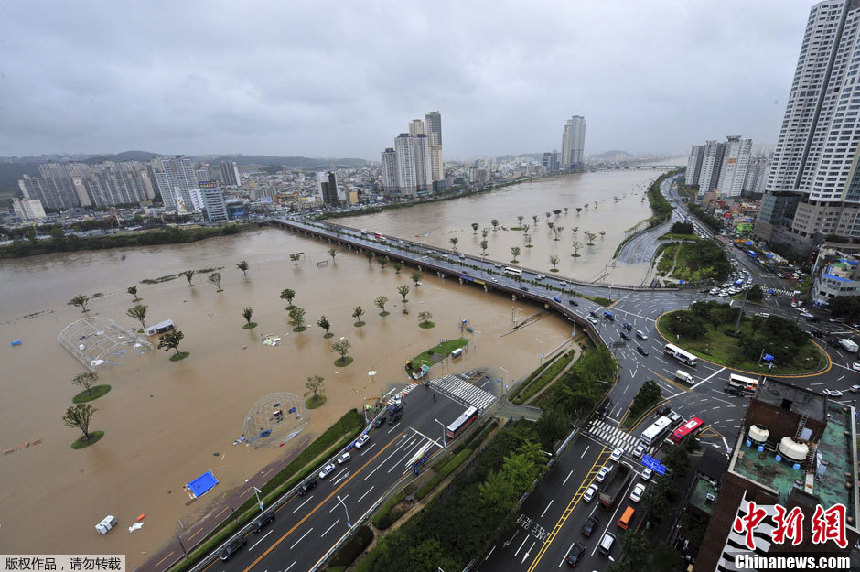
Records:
x=551, y=519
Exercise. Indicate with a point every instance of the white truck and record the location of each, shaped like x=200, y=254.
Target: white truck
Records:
x=848, y=345
x=107, y=524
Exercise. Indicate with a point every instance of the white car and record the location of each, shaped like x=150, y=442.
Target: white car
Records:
x=638, y=451
x=593, y=320
x=645, y=474
x=636, y=493
x=805, y=314
x=361, y=441
x=326, y=471
x=856, y=366
x=601, y=474
x=794, y=304
x=616, y=454
x=854, y=389
x=589, y=493
x=343, y=458
x=832, y=392
x=641, y=335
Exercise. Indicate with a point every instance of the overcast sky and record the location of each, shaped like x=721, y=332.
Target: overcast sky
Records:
x=344, y=78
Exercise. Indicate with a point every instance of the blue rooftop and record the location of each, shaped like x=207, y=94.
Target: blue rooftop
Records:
x=837, y=278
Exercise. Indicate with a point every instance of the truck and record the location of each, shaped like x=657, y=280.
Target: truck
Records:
x=618, y=480
x=848, y=345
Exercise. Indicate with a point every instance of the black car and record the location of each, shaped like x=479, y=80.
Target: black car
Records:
x=590, y=525
x=395, y=418
x=642, y=350
x=379, y=421
x=730, y=390
x=593, y=314
x=232, y=548
x=623, y=335
x=665, y=410
x=573, y=302
x=307, y=486
x=833, y=342
x=262, y=520
x=577, y=551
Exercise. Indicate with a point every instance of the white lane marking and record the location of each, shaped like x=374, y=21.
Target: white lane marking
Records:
x=707, y=378
x=303, y=504
x=521, y=546
x=334, y=508
x=547, y=508
x=302, y=537
x=568, y=475
x=365, y=494
x=434, y=441
x=529, y=551
x=329, y=528
x=261, y=540
x=581, y=456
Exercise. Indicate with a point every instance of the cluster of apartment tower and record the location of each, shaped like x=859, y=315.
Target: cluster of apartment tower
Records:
x=726, y=168
x=414, y=165
x=183, y=186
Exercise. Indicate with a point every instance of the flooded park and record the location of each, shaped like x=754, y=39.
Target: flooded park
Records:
x=167, y=422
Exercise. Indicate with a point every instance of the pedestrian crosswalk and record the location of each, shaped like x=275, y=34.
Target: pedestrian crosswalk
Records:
x=612, y=436
x=457, y=388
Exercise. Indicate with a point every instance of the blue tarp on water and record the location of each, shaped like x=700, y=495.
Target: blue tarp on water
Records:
x=203, y=483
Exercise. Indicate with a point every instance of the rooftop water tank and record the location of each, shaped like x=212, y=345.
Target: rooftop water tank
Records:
x=793, y=450
x=758, y=433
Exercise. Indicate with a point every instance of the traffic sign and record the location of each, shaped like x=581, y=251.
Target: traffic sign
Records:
x=653, y=464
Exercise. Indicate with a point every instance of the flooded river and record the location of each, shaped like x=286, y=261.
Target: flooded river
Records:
x=166, y=423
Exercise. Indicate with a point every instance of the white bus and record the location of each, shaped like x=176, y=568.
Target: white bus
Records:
x=680, y=355
x=513, y=271
x=745, y=384
x=656, y=431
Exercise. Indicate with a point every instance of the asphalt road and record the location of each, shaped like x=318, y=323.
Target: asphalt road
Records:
x=551, y=518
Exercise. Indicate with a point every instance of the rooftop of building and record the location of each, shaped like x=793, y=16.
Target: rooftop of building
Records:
x=795, y=399
x=836, y=475
x=699, y=496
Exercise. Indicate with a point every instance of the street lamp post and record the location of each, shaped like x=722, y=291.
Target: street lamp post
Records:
x=340, y=500
x=502, y=389
x=444, y=439
x=541, y=348
x=257, y=494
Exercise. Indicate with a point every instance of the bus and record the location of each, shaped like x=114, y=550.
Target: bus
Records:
x=744, y=384
x=680, y=355
x=513, y=271
x=467, y=418
x=656, y=431
x=691, y=427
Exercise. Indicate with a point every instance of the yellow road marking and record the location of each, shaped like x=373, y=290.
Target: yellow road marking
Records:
x=577, y=496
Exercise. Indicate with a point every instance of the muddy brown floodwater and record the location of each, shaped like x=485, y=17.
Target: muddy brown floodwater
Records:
x=164, y=421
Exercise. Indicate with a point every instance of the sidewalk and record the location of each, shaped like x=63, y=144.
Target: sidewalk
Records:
x=222, y=510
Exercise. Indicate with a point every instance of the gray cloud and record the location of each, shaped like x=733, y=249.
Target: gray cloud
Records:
x=343, y=78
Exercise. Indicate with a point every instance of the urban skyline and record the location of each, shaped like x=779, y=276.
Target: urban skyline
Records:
x=162, y=92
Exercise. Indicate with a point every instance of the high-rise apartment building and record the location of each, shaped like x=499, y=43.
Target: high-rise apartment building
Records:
x=814, y=161
x=230, y=176
x=433, y=124
x=433, y=127
x=423, y=163
x=404, y=147
x=549, y=162
x=176, y=182
x=416, y=127
x=712, y=161
x=212, y=198
x=28, y=209
x=756, y=178
x=70, y=185
x=327, y=187
x=733, y=171
x=573, y=143
x=389, y=170
x=694, y=165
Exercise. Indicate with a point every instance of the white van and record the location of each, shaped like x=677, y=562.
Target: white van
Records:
x=457, y=353
x=606, y=543
x=681, y=375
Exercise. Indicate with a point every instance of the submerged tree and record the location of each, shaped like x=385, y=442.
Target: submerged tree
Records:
x=515, y=251
x=591, y=236
x=475, y=227
x=403, y=289
x=248, y=313
x=342, y=347
x=380, y=302
x=138, y=312
x=397, y=267
x=553, y=259
x=357, y=313
x=326, y=325
x=315, y=388
x=79, y=416
x=86, y=380
x=416, y=278
x=170, y=341
x=369, y=256
x=133, y=291
x=332, y=252
x=80, y=301
x=454, y=242
x=243, y=266
x=215, y=280
x=297, y=318
x=424, y=318
x=189, y=274
x=288, y=294
x=484, y=245
x=495, y=224
x=295, y=257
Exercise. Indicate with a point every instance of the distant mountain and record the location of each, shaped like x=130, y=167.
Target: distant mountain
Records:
x=141, y=156
x=614, y=155
x=290, y=162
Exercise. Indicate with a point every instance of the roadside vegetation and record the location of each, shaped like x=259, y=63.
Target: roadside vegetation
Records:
x=646, y=398
x=60, y=242
x=707, y=329
x=696, y=261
